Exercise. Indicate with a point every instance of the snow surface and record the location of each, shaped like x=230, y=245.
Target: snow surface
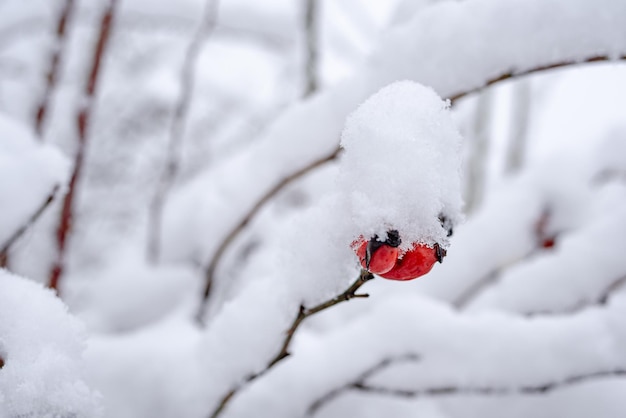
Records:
x=42, y=346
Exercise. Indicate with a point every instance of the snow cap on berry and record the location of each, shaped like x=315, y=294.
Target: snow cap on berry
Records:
x=401, y=168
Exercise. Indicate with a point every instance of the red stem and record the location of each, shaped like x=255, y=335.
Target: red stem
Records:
x=53, y=70
x=83, y=119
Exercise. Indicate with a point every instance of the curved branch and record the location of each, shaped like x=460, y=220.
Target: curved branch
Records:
x=360, y=380
x=513, y=74
x=6, y=247
x=234, y=233
x=303, y=313
x=540, y=388
x=602, y=300
x=177, y=127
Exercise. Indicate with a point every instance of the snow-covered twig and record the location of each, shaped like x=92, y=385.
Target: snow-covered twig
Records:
x=234, y=233
x=53, y=71
x=601, y=300
x=4, y=250
x=303, y=313
x=491, y=390
x=360, y=380
x=177, y=128
x=83, y=119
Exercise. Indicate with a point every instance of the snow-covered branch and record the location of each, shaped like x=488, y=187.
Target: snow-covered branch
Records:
x=490, y=391
x=4, y=249
x=303, y=313
x=177, y=126
x=360, y=381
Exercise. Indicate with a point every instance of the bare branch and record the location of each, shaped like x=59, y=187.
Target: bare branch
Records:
x=310, y=31
x=360, y=380
x=82, y=121
x=177, y=128
x=6, y=247
x=234, y=233
x=514, y=75
x=303, y=313
x=541, y=388
x=53, y=71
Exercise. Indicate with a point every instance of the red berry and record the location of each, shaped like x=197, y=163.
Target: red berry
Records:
x=416, y=262
x=381, y=261
x=388, y=262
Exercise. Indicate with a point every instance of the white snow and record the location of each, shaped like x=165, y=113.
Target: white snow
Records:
x=401, y=167
x=42, y=345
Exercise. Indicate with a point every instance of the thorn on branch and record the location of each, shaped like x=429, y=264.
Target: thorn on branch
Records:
x=303, y=313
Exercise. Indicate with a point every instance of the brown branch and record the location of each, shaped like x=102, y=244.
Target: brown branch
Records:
x=1, y=363
x=517, y=74
x=6, y=247
x=83, y=119
x=53, y=71
x=177, y=128
x=491, y=391
x=234, y=233
x=303, y=313
x=360, y=380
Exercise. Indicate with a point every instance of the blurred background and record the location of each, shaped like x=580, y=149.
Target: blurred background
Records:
x=171, y=89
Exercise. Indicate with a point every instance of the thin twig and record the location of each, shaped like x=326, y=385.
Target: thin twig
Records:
x=234, y=233
x=4, y=250
x=311, y=58
x=517, y=74
x=602, y=300
x=270, y=194
x=303, y=313
x=360, y=380
x=487, y=390
x=83, y=119
x=53, y=71
x=177, y=128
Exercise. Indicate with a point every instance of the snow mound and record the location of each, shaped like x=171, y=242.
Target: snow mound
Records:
x=401, y=168
x=42, y=347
